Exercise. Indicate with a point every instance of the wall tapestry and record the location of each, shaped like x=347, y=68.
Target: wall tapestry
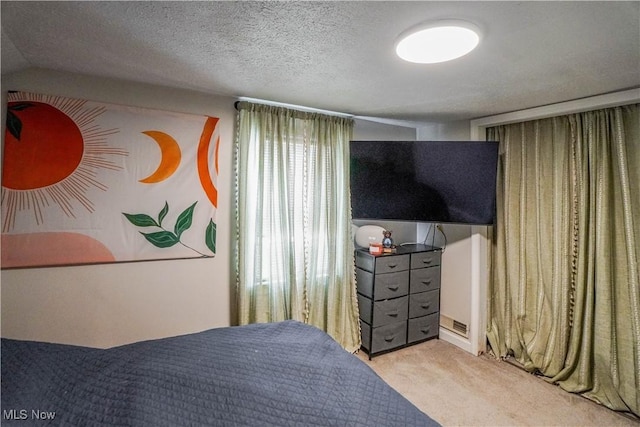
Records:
x=88, y=182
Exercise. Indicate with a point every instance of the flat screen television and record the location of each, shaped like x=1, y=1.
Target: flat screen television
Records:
x=425, y=181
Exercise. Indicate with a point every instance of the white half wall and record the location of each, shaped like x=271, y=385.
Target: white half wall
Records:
x=458, y=270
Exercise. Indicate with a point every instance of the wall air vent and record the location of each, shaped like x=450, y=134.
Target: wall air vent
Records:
x=454, y=326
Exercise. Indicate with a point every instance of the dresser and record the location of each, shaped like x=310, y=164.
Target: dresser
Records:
x=398, y=297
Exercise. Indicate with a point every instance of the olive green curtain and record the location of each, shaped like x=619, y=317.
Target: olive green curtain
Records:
x=564, y=293
x=294, y=256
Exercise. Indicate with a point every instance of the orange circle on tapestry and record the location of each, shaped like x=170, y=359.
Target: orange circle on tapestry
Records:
x=49, y=150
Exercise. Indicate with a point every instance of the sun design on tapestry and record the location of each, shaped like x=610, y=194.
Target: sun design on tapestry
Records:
x=53, y=151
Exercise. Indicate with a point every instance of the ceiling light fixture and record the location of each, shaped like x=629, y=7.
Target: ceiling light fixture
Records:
x=437, y=41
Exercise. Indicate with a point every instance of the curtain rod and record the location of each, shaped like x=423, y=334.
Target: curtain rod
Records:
x=292, y=107
x=392, y=122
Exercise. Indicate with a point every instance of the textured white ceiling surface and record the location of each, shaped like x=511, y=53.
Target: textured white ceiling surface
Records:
x=337, y=56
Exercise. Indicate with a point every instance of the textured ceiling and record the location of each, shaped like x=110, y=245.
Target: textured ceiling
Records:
x=337, y=56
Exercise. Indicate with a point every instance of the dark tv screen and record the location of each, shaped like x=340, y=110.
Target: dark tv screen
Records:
x=427, y=181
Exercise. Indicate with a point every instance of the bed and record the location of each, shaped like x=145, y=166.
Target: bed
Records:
x=280, y=374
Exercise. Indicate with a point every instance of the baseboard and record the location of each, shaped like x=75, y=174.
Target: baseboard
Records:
x=455, y=339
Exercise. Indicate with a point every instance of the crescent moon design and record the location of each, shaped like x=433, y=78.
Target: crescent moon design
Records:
x=203, y=160
x=170, y=157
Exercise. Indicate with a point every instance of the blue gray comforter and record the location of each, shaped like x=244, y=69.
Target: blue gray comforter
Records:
x=279, y=374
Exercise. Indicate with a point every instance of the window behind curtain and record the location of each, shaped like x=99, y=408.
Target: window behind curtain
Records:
x=295, y=251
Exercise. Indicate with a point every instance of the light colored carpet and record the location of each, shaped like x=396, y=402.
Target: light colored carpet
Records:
x=456, y=388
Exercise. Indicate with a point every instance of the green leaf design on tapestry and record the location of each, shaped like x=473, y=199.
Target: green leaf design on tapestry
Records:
x=165, y=238
x=162, y=239
x=14, y=124
x=20, y=106
x=163, y=213
x=184, y=220
x=141, y=220
x=210, y=236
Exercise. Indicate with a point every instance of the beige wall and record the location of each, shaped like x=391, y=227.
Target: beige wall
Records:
x=367, y=130
x=113, y=304
x=452, y=131
x=105, y=305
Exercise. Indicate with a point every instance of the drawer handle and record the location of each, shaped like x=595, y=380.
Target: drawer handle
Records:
x=393, y=314
x=393, y=287
x=426, y=282
x=425, y=330
x=425, y=306
x=393, y=265
x=427, y=261
x=389, y=338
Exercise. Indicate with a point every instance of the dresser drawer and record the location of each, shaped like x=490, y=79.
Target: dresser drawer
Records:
x=425, y=279
x=383, y=338
x=365, y=261
x=391, y=285
x=392, y=263
x=364, y=282
x=382, y=286
x=424, y=303
x=422, y=328
x=425, y=259
x=378, y=313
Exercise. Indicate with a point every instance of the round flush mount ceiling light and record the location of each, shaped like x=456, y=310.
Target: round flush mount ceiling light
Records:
x=437, y=41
